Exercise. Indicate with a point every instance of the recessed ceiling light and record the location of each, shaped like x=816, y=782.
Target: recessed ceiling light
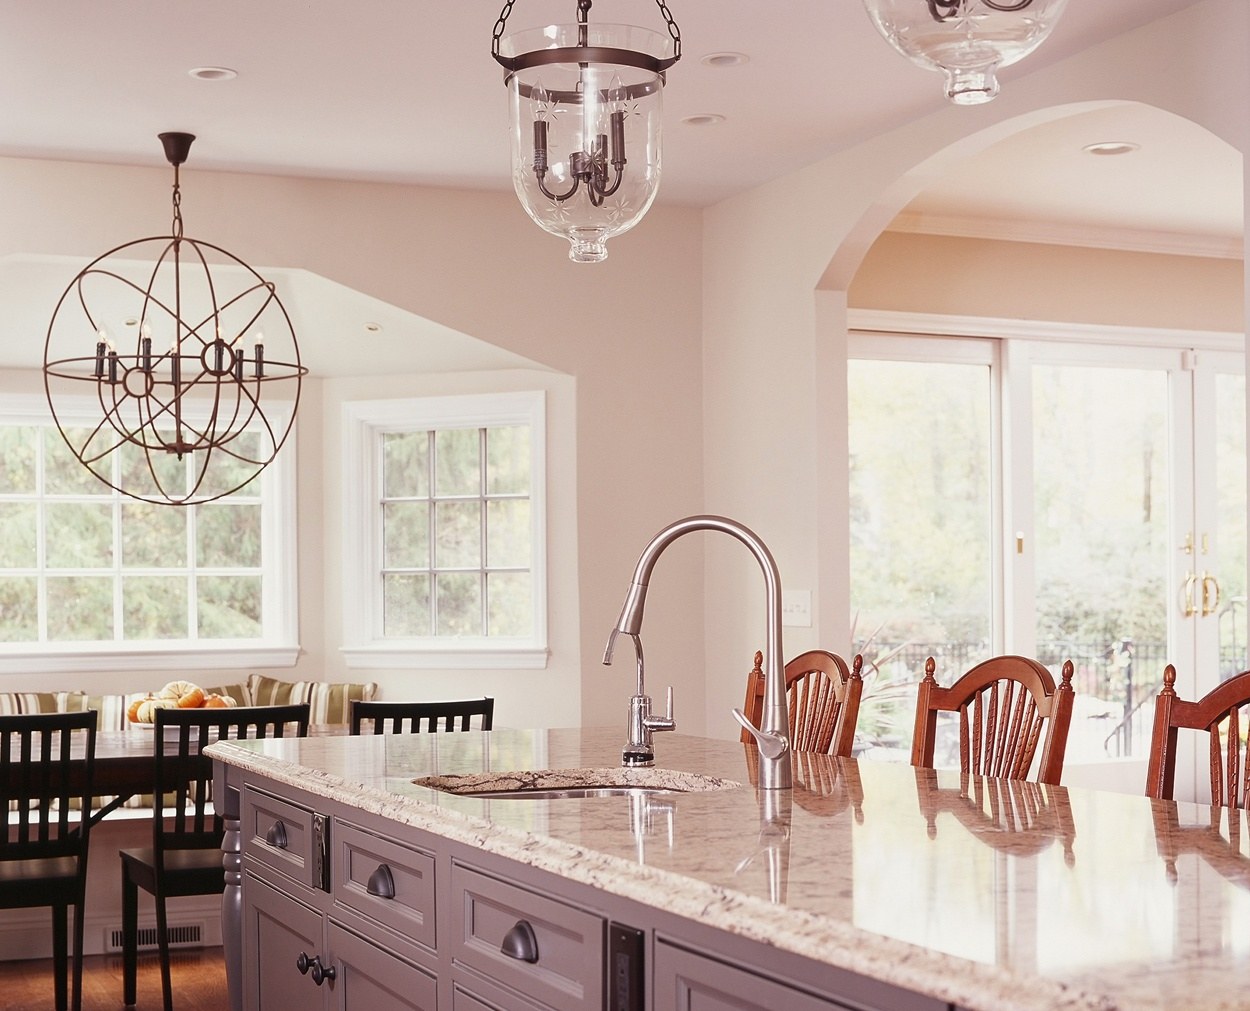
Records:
x=721, y=60
x=704, y=119
x=373, y=327
x=213, y=73
x=1107, y=147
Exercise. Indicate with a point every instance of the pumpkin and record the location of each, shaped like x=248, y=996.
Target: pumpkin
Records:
x=132, y=711
x=185, y=694
x=219, y=702
x=146, y=713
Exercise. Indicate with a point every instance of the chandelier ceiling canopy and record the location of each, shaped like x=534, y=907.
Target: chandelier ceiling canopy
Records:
x=586, y=104
x=967, y=40
x=171, y=366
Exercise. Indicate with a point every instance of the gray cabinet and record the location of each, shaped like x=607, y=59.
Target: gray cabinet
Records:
x=277, y=930
x=340, y=949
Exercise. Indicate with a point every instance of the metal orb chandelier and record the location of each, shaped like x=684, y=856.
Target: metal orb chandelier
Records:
x=967, y=40
x=586, y=104
x=183, y=410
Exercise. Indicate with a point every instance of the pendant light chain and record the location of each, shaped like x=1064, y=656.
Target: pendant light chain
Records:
x=501, y=24
x=177, y=201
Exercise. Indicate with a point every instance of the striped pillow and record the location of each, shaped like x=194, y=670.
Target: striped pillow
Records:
x=329, y=702
x=110, y=709
x=240, y=694
x=25, y=703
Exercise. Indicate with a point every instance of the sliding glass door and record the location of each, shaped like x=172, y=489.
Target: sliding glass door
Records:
x=1060, y=500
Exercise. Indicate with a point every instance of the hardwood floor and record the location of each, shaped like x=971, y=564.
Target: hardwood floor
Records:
x=199, y=978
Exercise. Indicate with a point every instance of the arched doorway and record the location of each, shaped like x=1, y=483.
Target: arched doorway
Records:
x=1047, y=415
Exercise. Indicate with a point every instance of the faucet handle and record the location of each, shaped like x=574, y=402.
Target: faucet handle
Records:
x=665, y=722
x=771, y=745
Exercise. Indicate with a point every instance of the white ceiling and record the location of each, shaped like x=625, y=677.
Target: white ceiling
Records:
x=406, y=90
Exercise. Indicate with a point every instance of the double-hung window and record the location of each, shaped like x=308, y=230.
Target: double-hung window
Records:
x=443, y=505
x=93, y=579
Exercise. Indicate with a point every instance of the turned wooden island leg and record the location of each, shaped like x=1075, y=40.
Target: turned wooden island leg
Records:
x=232, y=897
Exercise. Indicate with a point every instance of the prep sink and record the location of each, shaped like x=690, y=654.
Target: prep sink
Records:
x=574, y=784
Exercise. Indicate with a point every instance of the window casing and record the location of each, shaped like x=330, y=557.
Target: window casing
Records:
x=91, y=579
x=445, y=546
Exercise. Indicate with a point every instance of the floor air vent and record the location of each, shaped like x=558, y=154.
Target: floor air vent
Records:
x=179, y=937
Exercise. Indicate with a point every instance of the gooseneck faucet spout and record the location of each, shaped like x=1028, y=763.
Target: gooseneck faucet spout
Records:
x=772, y=736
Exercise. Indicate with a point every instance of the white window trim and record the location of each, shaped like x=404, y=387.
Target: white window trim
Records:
x=280, y=587
x=363, y=420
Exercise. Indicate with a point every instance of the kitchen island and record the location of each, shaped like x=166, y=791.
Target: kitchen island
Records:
x=868, y=885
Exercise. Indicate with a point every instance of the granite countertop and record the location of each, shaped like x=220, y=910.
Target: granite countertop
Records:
x=983, y=892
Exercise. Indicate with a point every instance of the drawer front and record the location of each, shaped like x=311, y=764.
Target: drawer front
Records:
x=478, y=995
x=370, y=979
x=279, y=835
x=689, y=981
x=384, y=881
x=558, y=948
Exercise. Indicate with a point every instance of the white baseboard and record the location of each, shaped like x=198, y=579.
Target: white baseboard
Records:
x=27, y=933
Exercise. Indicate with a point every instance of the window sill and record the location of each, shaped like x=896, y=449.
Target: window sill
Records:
x=92, y=657
x=407, y=656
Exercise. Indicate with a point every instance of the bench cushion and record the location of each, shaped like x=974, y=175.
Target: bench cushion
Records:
x=329, y=702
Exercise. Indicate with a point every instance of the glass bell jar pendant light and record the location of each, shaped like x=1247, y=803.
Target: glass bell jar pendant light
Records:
x=171, y=366
x=586, y=104
x=967, y=40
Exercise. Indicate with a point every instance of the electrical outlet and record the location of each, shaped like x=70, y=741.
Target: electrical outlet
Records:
x=796, y=608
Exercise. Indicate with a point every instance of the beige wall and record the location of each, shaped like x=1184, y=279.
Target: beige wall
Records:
x=1031, y=281
x=777, y=264
x=622, y=341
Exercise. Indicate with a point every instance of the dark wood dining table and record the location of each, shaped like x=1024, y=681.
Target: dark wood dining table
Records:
x=125, y=766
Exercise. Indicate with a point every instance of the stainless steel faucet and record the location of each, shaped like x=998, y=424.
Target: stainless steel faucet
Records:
x=772, y=736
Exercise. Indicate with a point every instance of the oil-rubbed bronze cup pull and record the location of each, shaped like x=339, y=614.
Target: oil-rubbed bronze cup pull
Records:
x=521, y=943
x=276, y=836
x=381, y=883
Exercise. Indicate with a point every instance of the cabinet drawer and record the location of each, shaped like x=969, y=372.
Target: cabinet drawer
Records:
x=689, y=981
x=384, y=881
x=279, y=835
x=566, y=970
x=478, y=995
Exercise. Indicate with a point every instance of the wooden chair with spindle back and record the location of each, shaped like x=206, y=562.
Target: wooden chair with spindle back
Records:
x=185, y=856
x=1004, y=705
x=423, y=717
x=823, y=696
x=1219, y=715
x=47, y=765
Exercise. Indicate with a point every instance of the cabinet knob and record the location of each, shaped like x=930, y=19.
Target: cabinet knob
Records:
x=321, y=973
x=381, y=883
x=276, y=836
x=303, y=963
x=521, y=943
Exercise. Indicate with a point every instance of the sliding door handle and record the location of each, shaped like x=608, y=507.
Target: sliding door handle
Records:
x=1210, y=594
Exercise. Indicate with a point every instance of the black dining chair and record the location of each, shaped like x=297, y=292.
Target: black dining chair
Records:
x=185, y=855
x=419, y=717
x=47, y=769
